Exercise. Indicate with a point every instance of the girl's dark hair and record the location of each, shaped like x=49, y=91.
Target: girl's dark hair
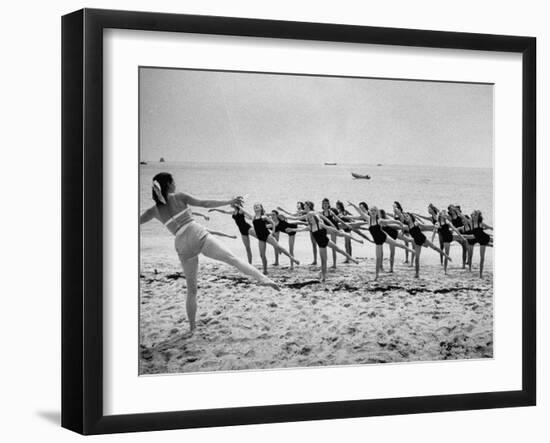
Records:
x=340, y=206
x=413, y=218
x=396, y=203
x=164, y=180
x=301, y=205
x=325, y=200
x=382, y=213
x=310, y=204
x=433, y=208
x=364, y=204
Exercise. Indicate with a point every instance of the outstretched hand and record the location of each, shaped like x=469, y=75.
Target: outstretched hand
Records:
x=237, y=201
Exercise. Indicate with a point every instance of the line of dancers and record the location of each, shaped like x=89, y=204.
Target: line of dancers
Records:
x=401, y=229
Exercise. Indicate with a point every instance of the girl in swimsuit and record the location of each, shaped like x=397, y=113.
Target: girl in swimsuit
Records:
x=191, y=239
x=457, y=220
x=300, y=211
x=345, y=215
x=380, y=236
x=261, y=222
x=329, y=217
x=244, y=228
x=481, y=237
x=280, y=224
x=433, y=219
x=445, y=229
x=420, y=240
x=393, y=232
x=399, y=215
x=319, y=231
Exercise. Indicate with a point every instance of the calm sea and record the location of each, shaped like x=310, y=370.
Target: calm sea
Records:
x=284, y=184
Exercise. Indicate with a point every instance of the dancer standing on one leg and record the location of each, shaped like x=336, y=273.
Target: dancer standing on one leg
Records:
x=457, y=220
x=420, y=240
x=191, y=239
x=280, y=224
x=481, y=237
x=433, y=219
x=261, y=222
x=345, y=215
x=300, y=211
x=328, y=215
x=399, y=215
x=445, y=229
x=380, y=237
x=244, y=228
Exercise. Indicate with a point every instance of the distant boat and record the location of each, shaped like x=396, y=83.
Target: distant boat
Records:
x=142, y=163
x=161, y=160
x=330, y=164
x=363, y=176
x=379, y=164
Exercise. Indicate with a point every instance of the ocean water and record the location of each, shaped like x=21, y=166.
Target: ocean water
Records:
x=284, y=184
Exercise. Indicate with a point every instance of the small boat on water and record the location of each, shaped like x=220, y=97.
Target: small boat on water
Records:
x=142, y=163
x=161, y=160
x=379, y=164
x=330, y=164
x=363, y=176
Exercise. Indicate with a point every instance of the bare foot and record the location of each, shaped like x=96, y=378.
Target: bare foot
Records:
x=272, y=284
x=189, y=333
x=313, y=263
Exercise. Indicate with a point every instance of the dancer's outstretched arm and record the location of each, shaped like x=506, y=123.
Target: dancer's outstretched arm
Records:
x=193, y=201
x=340, y=233
x=223, y=211
x=363, y=214
x=221, y=234
x=287, y=213
x=457, y=232
x=423, y=217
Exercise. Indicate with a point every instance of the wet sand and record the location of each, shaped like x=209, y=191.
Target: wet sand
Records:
x=351, y=319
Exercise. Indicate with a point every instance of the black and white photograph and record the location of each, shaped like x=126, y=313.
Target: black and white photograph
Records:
x=294, y=221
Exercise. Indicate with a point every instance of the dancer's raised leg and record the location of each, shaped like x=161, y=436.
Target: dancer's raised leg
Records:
x=190, y=268
x=213, y=249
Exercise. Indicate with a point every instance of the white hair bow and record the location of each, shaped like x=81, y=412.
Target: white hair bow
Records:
x=158, y=191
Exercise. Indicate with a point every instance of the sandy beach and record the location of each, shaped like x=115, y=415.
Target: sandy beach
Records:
x=349, y=320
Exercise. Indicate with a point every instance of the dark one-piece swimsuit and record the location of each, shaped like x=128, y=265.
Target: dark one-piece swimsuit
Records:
x=320, y=236
x=241, y=223
x=284, y=225
x=377, y=234
x=446, y=234
x=480, y=236
x=418, y=237
x=261, y=229
x=332, y=219
x=392, y=232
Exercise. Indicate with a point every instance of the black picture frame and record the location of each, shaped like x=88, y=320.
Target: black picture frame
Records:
x=82, y=220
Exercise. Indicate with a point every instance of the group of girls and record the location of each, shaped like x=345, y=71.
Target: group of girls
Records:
x=374, y=225
x=400, y=229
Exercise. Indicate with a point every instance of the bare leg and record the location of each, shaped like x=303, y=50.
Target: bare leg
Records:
x=381, y=264
x=347, y=244
x=470, y=256
x=416, y=258
x=275, y=250
x=379, y=258
x=333, y=240
x=190, y=268
x=291, y=240
x=481, y=260
x=429, y=244
x=447, y=247
x=262, y=246
x=344, y=253
x=246, y=243
x=314, y=247
x=441, y=246
x=391, y=241
x=213, y=249
x=279, y=248
x=392, y=256
x=323, y=255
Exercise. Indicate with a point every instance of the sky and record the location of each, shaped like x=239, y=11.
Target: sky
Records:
x=213, y=116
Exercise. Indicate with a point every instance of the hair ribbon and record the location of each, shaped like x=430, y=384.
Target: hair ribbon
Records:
x=158, y=191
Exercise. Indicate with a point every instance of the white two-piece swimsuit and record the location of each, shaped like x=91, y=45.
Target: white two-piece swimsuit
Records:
x=189, y=236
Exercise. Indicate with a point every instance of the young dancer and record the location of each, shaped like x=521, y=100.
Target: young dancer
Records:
x=399, y=215
x=346, y=216
x=420, y=240
x=261, y=222
x=457, y=220
x=380, y=237
x=191, y=239
x=244, y=228
x=481, y=237
x=300, y=211
x=445, y=229
x=329, y=216
x=280, y=224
